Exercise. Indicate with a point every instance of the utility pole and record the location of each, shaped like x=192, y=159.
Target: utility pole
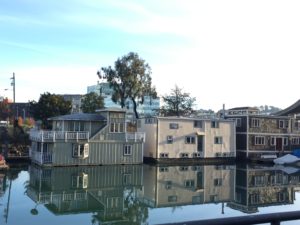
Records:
x=13, y=83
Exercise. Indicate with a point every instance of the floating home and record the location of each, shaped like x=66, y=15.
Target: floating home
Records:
x=100, y=138
x=183, y=138
x=264, y=136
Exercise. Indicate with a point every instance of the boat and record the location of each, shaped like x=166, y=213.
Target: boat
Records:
x=286, y=159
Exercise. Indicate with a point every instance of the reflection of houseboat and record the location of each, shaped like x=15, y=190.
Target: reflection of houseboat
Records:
x=168, y=186
x=260, y=186
x=107, y=191
x=187, y=138
x=264, y=136
x=87, y=139
x=2, y=183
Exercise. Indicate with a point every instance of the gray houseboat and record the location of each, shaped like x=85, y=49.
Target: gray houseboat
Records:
x=87, y=139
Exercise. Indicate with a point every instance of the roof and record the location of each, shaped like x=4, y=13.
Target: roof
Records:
x=80, y=117
x=111, y=109
x=293, y=109
x=244, y=108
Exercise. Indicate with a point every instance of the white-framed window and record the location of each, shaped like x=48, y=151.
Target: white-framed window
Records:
x=283, y=123
x=198, y=123
x=254, y=198
x=169, y=139
x=189, y=183
x=218, y=140
x=190, y=140
x=80, y=180
x=295, y=141
x=80, y=150
x=172, y=198
x=238, y=122
x=259, y=140
x=77, y=126
x=273, y=141
x=173, y=126
x=218, y=182
x=214, y=124
x=255, y=122
x=184, y=155
x=168, y=184
x=285, y=141
x=127, y=150
x=164, y=155
x=116, y=127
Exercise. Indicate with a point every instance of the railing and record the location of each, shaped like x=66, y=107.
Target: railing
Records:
x=52, y=136
x=41, y=158
x=137, y=136
x=272, y=218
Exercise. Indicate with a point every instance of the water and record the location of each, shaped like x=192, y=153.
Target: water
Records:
x=144, y=194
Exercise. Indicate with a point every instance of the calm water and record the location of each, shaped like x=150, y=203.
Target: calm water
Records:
x=143, y=194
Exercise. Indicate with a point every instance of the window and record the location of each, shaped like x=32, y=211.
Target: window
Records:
x=190, y=140
x=164, y=155
x=77, y=126
x=238, y=122
x=168, y=184
x=273, y=141
x=255, y=122
x=80, y=150
x=173, y=125
x=127, y=150
x=183, y=168
x=116, y=127
x=189, y=183
x=172, y=198
x=80, y=180
x=254, y=198
x=283, y=123
x=169, y=139
x=285, y=141
x=295, y=141
x=196, y=155
x=198, y=123
x=259, y=140
x=218, y=181
x=163, y=169
x=184, y=155
x=218, y=140
x=214, y=124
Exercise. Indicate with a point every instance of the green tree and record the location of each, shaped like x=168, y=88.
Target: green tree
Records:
x=90, y=102
x=49, y=105
x=177, y=103
x=130, y=79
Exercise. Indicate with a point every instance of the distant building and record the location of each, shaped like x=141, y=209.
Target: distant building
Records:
x=150, y=106
x=20, y=109
x=75, y=101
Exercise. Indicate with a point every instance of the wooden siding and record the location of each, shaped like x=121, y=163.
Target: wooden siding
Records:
x=100, y=153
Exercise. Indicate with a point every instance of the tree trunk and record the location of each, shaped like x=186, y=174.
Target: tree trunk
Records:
x=134, y=108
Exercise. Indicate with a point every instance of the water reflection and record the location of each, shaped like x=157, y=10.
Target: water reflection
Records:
x=126, y=193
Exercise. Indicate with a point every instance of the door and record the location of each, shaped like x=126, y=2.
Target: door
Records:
x=279, y=144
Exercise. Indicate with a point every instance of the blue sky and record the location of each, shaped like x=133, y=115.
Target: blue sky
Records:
x=241, y=53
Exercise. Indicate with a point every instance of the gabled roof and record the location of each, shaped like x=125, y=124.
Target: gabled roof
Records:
x=111, y=109
x=293, y=109
x=80, y=117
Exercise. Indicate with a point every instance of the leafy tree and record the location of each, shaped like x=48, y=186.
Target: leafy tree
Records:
x=177, y=103
x=5, y=111
x=90, y=102
x=130, y=79
x=49, y=105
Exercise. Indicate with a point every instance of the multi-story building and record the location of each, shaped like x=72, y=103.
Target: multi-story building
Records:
x=75, y=101
x=150, y=105
x=263, y=136
x=187, y=138
x=87, y=139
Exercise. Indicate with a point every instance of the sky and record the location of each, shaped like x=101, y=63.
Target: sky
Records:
x=233, y=52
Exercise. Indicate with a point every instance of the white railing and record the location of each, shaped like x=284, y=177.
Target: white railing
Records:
x=52, y=136
x=41, y=158
x=137, y=136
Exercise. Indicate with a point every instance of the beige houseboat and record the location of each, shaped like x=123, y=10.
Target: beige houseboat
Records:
x=187, y=138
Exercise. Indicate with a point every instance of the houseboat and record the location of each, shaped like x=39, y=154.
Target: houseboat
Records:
x=187, y=139
x=100, y=138
x=264, y=136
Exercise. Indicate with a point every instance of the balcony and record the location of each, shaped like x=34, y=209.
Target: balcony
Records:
x=41, y=158
x=136, y=137
x=53, y=136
